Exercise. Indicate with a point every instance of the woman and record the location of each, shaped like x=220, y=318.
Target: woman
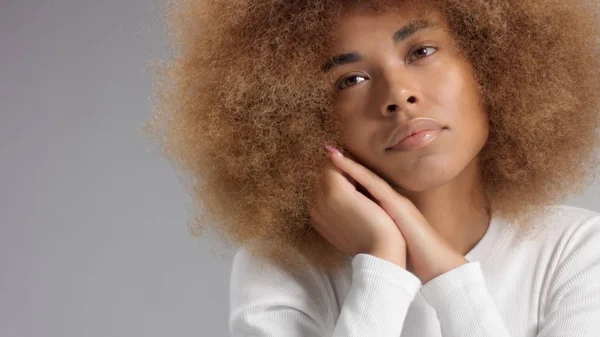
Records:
x=461, y=124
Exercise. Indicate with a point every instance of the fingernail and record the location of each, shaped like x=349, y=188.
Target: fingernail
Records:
x=333, y=150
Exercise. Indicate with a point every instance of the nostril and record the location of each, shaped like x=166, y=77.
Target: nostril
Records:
x=411, y=99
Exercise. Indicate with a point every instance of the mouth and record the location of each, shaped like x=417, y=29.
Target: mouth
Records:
x=415, y=134
x=416, y=140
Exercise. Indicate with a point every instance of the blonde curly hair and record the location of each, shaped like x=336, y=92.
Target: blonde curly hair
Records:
x=243, y=110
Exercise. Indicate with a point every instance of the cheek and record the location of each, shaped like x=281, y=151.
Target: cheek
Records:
x=464, y=112
x=474, y=117
x=472, y=129
x=356, y=132
x=353, y=125
x=463, y=102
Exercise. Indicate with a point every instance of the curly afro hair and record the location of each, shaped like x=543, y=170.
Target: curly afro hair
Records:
x=243, y=109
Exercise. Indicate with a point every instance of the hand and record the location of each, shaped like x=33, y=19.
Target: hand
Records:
x=351, y=221
x=428, y=254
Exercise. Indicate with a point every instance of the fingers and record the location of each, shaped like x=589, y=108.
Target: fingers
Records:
x=376, y=186
x=334, y=178
x=329, y=177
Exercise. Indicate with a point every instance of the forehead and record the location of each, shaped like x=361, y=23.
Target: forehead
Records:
x=358, y=23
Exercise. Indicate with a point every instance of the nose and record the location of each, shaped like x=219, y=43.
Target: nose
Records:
x=401, y=96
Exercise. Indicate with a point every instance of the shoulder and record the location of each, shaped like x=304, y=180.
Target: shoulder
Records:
x=580, y=232
x=262, y=291
x=572, y=243
x=575, y=267
x=571, y=214
x=250, y=267
x=255, y=279
x=562, y=234
x=249, y=263
x=562, y=222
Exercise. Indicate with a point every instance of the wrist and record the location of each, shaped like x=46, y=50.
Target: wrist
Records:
x=396, y=257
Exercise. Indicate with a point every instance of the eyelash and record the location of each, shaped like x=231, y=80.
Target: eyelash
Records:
x=340, y=82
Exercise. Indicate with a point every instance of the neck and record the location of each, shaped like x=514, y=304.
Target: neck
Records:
x=456, y=209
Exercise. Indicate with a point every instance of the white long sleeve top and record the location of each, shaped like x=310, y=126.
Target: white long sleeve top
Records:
x=544, y=285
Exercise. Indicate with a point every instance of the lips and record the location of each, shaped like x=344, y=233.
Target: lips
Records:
x=414, y=126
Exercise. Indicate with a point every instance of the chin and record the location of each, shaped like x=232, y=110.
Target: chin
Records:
x=427, y=177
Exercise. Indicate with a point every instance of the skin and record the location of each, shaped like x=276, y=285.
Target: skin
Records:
x=386, y=225
x=393, y=83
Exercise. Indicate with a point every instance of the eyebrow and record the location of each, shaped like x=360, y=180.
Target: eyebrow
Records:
x=402, y=34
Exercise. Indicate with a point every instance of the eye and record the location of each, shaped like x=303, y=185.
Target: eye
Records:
x=349, y=81
x=422, y=52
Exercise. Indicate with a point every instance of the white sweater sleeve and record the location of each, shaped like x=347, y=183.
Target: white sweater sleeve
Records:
x=572, y=306
x=269, y=301
x=463, y=304
x=465, y=307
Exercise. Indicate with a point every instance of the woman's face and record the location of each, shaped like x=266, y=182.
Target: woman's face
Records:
x=393, y=69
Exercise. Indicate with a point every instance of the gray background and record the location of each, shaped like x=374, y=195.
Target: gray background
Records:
x=94, y=238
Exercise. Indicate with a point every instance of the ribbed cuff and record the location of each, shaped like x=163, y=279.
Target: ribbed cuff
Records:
x=463, y=303
x=447, y=288
x=368, y=266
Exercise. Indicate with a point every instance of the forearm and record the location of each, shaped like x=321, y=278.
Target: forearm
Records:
x=378, y=300
x=463, y=304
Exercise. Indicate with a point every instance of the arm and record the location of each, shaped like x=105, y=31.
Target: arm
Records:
x=463, y=303
x=572, y=306
x=269, y=301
